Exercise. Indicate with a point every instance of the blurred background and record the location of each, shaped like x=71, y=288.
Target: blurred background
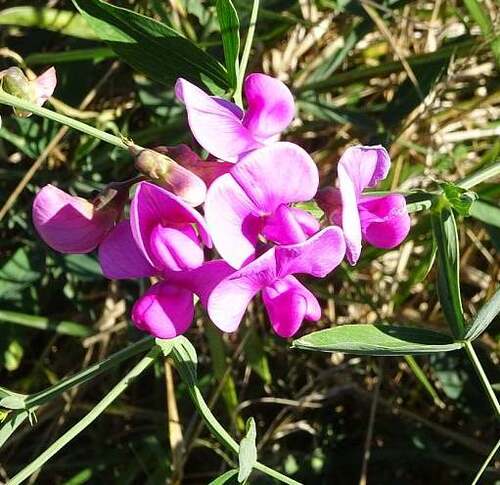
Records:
x=419, y=77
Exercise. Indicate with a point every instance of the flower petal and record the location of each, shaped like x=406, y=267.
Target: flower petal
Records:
x=207, y=170
x=270, y=106
x=164, y=311
x=317, y=256
x=288, y=303
x=385, y=220
x=45, y=84
x=216, y=128
x=228, y=301
x=232, y=220
x=176, y=249
x=69, y=224
x=201, y=280
x=365, y=165
x=351, y=224
x=282, y=227
x=120, y=257
x=153, y=205
x=276, y=174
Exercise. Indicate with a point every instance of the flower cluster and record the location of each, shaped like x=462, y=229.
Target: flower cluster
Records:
x=249, y=186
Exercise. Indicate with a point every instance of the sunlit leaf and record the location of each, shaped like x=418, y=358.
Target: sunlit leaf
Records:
x=448, y=258
x=366, y=339
x=484, y=317
x=230, y=31
x=247, y=456
x=151, y=47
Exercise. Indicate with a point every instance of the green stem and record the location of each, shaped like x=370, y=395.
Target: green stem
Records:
x=15, y=102
x=89, y=373
x=246, y=53
x=485, y=464
x=480, y=176
x=142, y=365
x=420, y=375
x=482, y=377
x=215, y=427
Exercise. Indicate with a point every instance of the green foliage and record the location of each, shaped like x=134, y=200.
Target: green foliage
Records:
x=444, y=228
x=230, y=31
x=484, y=317
x=247, y=456
x=152, y=47
x=364, y=339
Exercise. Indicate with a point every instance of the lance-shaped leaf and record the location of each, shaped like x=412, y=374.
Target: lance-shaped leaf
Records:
x=367, y=339
x=225, y=478
x=484, y=317
x=230, y=32
x=151, y=47
x=444, y=227
x=247, y=456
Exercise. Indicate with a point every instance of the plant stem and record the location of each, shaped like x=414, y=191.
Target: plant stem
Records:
x=246, y=53
x=485, y=464
x=215, y=427
x=482, y=377
x=62, y=441
x=16, y=102
x=480, y=176
x=89, y=373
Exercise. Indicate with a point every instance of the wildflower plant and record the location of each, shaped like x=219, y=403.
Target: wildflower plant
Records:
x=232, y=217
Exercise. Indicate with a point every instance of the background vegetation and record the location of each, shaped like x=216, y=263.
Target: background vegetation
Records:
x=419, y=77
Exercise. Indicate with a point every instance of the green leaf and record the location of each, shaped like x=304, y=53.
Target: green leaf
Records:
x=186, y=360
x=444, y=228
x=484, y=317
x=227, y=477
x=312, y=207
x=12, y=402
x=367, y=339
x=62, y=21
x=13, y=355
x=43, y=323
x=486, y=212
x=166, y=345
x=230, y=31
x=151, y=47
x=247, y=456
x=460, y=199
x=18, y=273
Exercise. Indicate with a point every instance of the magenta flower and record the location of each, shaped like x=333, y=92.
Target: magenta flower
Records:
x=227, y=132
x=287, y=301
x=164, y=234
x=253, y=200
x=71, y=224
x=166, y=310
x=381, y=220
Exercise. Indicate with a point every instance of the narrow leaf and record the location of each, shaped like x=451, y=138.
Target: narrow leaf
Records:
x=247, y=455
x=230, y=31
x=61, y=21
x=367, y=339
x=151, y=47
x=486, y=212
x=224, y=478
x=444, y=228
x=484, y=317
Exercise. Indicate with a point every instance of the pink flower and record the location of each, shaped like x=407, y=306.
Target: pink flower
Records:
x=71, y=224
x=381, y=220
x=287, y=301
x=226, y=131
x=166, y=310
x=253, y=200
x=164, y=234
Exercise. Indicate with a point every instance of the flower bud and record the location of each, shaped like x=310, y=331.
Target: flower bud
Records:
x=164, y=311
x=169, y=174
x=14, y=82
x=71, y=224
